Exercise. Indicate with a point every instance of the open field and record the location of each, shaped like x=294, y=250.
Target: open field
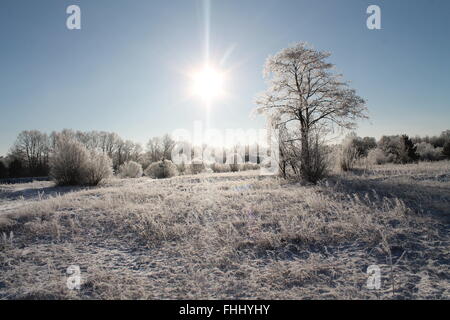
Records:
x=232, y=235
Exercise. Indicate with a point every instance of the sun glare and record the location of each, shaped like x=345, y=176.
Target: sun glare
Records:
x=208, y=83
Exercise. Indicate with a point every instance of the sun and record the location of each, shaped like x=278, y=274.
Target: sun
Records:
x=208, y=83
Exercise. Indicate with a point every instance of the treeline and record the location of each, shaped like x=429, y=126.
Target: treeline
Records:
x=398, y=149
x=31, y=153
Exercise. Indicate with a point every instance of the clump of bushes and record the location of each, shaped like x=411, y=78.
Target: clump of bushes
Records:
x=446, y=150
x=182, y=169
x=73, y=164
x=220, y=167
x=250, y=166
x=399, y=149
x=349, y=154
x=130, y=169
x=197, y=166
x=378, y=156
x=161, y=169
x=427, y=152
x=235, y=167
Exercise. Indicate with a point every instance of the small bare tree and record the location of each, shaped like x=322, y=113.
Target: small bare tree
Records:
x=154, y=149
x=33, y=148
x=304, y=94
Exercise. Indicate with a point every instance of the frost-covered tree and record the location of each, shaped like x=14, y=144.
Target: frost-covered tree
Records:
x=305, y=93
x=167, y=146
x=3, y=170
x=427, y=152
x=408, y=151
x=446, y=150
x=32, y=148
x=154, y=149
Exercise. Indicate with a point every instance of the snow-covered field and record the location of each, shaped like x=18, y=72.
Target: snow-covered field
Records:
x=231, y=235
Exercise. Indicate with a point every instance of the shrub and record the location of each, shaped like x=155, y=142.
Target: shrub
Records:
x=130, y=169
x=161, y=169
x=378, y=156
x=219, y=167
x=391, y=147
x=349, y=154
x=399, y=149
x=197, y=166
x=427, y=152
x=181, y=168
x=99, y=167
x=446, y=150
x=73, y=164
x=408, y=151
x=69, y=162
x=250, y=166
x=235, y=167
x=318, y=166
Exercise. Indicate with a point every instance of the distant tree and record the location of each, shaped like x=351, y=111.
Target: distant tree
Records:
x=427, y=152
x=368, y=143
x=377, y=156
x=391, y=147
x=3, y=170
x=398, y=149
x=349, y=152
x=167, y=144
x=446, y=135
x=154, y=149
x=305, y=93
x=32, y=148
x=408, y=151
x=16, y=169
x=446, y=150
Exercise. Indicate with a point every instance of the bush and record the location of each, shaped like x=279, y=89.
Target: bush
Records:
x=250, y=166
x=161, y=169
x=73, y=164
x=427, y=152
x=318, y=165
x=399, y=149
x=378, y=156
x=349, y=154
x=446, y=150
x=181, y=168
x=197, y=166
x=219, y=167
x=408, y=151
x=235, y=167
x=130, y=169
x=99, y=167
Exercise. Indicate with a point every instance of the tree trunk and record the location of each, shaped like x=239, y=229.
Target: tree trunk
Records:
x=305, y=154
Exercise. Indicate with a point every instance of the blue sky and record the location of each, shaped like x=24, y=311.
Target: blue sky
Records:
x=125, y=70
